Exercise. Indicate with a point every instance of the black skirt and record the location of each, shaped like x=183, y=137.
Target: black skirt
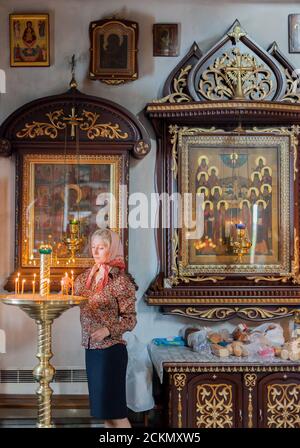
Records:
x=106, y=373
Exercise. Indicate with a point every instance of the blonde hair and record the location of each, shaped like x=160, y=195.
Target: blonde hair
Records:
x=104, y=234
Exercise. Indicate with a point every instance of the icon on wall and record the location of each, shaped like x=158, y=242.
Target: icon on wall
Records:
x=113, y=50
x=165, y=39
x=29, y=40
x=294, y=33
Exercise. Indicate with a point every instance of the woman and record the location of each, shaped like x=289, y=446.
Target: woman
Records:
x=109, y=312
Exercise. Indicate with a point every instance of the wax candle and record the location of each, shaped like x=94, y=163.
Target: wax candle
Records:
x=62, y=286
x=23, y=283
x=18, y=292
x=33, y=286
x=16, y=285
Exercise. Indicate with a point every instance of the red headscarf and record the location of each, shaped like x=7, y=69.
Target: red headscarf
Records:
x=115, y=259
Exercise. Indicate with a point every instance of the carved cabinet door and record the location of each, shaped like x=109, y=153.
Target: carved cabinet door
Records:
x=214, y=401
x=279, y=400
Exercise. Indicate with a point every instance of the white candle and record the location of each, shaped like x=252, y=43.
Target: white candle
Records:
x=23, y=283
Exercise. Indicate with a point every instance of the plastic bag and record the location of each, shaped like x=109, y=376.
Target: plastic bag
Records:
x=139, y=375
x=272, y=334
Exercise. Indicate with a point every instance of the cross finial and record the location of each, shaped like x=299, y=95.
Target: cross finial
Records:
x=73, y=83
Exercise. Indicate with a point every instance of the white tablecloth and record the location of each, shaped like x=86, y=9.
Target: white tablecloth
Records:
x=165, y=354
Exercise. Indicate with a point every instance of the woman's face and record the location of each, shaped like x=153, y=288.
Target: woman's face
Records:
x=100, y=250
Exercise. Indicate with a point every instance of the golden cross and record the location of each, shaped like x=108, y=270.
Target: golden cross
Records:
x=73, y=121
x=239, y=69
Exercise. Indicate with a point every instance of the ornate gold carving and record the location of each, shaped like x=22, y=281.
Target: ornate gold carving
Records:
x=235, y=76
x=236, y=34
x=283, y=405
x=113, y=82
x=178, y=96
x=234, y=299
x=142, y=147
x=250, y=383
x=104, y=130
x=173, y=130
x=220, y=105
x=292, y=93
x=56, y=123
x=215, y=406
x=179, y=382
x=38, y=128
x=221, y=313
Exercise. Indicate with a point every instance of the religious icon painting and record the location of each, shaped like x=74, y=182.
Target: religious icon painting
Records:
x=29, y=40
x=244, y=182
x=294, y=33
x=113, y=52
x=165, y=39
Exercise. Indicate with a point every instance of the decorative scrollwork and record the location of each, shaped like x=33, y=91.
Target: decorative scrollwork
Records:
x=104, y=130
x=38, y=128
x=56, y=123
x=215, y=406
x=235, y=75
x=292, y=93
x=223, y=313
x=250, y=382
x=178, y=96
x=283, y=405
x=179, y=382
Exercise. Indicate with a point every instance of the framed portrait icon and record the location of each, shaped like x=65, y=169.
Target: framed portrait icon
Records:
x=113, y=51
x=294, y=33
x=165, y=39
x=29, y=40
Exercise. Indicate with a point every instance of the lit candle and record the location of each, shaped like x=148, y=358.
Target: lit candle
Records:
x=48, y=282
x=33, y=286
x=23, y=283
x=62, y=286
x=72, y=282
x=16, y=285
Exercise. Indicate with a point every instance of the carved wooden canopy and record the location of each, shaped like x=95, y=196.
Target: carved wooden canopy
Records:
x=237, y=86
x=58, y=126
x=53, y=119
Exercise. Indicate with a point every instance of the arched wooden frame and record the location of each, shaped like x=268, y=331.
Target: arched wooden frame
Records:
x=52, y=127
x=184, y=107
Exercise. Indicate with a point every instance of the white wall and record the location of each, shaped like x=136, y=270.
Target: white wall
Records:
x=201, y=21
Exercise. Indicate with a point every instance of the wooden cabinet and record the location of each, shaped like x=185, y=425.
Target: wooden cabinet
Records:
x=245, y=397
x=278, y=400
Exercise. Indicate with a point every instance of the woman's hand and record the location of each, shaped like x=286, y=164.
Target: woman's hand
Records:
x=100, y=334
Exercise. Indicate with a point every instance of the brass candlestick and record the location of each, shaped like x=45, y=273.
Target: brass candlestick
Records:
x=44, y=308
x=242, y=245
x=73, y=241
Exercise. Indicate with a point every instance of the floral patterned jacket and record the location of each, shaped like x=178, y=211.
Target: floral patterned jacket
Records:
x=113, y=308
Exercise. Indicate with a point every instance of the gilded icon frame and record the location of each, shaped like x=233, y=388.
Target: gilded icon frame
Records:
x=32, y=48
x=32, y=207
x=282, y=140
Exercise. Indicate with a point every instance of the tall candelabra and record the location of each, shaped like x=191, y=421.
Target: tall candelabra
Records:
x=44, y=308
